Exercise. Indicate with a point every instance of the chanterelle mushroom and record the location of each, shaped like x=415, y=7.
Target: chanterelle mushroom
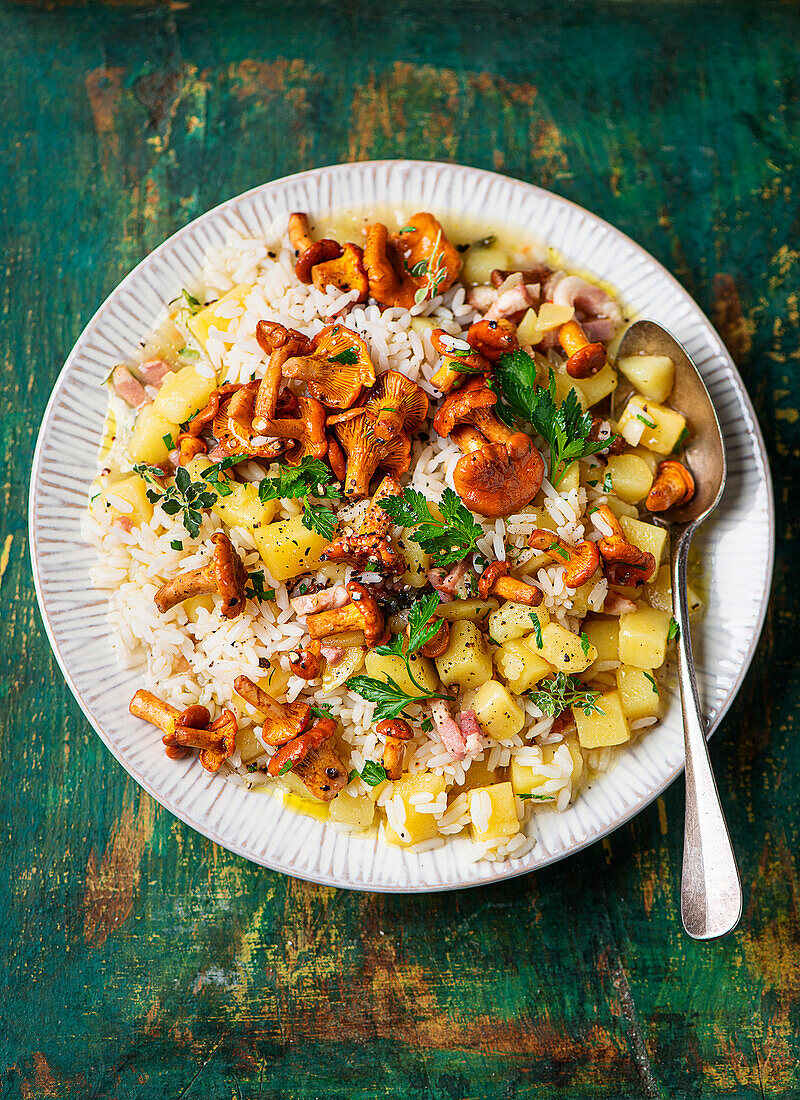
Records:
x=420, y=261
x=395, y=732
x=361, y=613
x=280, y=344
x=495, y=581
x=472, y=405
x=335, y=366
x=282, y=721
x=345, y=272
x=459, y=361
x=312, y=757
x=499, y=478
x=189, y=729
x=224, y=574
x=366, y=452
x=398, y=405
x=306, y=431
x=369, y=548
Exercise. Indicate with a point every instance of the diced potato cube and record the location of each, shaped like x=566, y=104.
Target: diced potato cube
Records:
x=604, y=636
x=600, y=385
x=598, y=731
x=571, y=478
x=650, y=459
x=288, y=549
x=477, y=611
x=502, y=818
x=573, y=744
x=126, y=497
x=662, y=426
x=528, y=329
x=630, y=477
x=146, y=442
x=514, y=620
x=565, y=650
x=620, y=508
x=416, y=827
x=658, y=592
x=195, y=604
x=467, y=661
x=248, y=745
x=580, y=596
x=563, y=386
x=242, y=507
x=479, y=775
x=351, y=809
x=498, y=714
x=645, y=536
x=201, y=322
x=334, y=676
x=638, y=693
x=553, y=316
x=383, y=665
x=643, y=637
x=520, y=665
x=479, y=263
x=421, y=325
x=184, y=392
x=652, y=375
x=417, y=562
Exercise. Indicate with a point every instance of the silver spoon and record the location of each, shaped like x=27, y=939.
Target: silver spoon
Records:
x=711, y=892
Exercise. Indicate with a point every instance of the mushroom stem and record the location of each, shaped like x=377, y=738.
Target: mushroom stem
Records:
x=468, y=439
x=198, y=582
x=281, y=723
x=154, y=710
x=224, y=574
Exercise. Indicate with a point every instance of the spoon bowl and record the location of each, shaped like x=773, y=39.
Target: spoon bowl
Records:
x=711, y=893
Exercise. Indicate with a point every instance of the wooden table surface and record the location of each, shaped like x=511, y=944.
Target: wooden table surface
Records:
x=139, y=960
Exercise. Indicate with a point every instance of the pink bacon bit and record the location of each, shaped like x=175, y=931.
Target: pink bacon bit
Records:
x=447, y=729
x=128, y=388
x=154, y=371
x=446, y=582
x=471, y=729
x=326, y=600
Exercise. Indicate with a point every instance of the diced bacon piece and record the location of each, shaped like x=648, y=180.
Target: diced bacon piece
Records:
x=446, y=582
x=129, y=388
x=326, y=600
x=448, y=729
x=333, y=654
x=481, y=298
x=615, y=604
x=471, y=729
x=514, y=300
x=154, y=371
x=592, y=305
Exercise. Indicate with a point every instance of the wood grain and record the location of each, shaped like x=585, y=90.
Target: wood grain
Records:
x=141, y=961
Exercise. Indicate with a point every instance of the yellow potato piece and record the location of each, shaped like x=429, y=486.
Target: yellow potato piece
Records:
x=597, y=731
x=643, y=637
x=416, y=827
x=565, y=650
x=210, y=317
x=498, y=714
x=288, y=549
x=503, y=820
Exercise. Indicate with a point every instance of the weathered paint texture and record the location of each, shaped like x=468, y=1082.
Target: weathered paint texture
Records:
x=139, y=961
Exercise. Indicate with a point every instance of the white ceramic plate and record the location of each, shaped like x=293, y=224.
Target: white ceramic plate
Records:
x=739, y=541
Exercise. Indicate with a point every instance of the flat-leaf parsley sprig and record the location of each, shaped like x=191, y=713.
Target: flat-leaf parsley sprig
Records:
x=448, y=540
x=310, y=478
x=562, y=692
x=565, y=426
x=392, y=699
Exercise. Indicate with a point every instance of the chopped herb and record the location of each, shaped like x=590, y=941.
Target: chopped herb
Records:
x=322, y=710
x=419, y=269
x=310, y=478
x=449, y=539
x=409, y=229
x=373, y=773
x=212, y=474
x=348, y=357
x=287, y=767
x=177, y=545
x=536, y=797
x=391, y=699
x=484, y=242
x=608, y=484
x=186, y=496
x=645, y=420
x=679, y=442
x=674, y=630
x=592, y=484
x=562, y=692
x=537, y=630
x=319, y=519
x=652, y=681
x=189, y=353
x=256, y=589
x=554, y=548
x=434, y=269
x=426, y=725
x=585, y=644
x=193, y=303
x=565, y=426
x=169, y=442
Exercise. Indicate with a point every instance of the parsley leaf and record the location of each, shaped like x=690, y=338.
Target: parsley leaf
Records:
x=177, y=545
x=212, y=474
x=391, y=699
x=537, y=630
x=421, y=628
x=189, y=353
x=585, y=644
x=322, y=710
x=287, y=767
x=536, y=797
x=311, y=477
x=373, y=773
x=562, y=692
x=449, y=539
x=348, y=357
x=256, y=589
x=193, y=303
x=319, y=519
x=565, y=426
x=674, y=630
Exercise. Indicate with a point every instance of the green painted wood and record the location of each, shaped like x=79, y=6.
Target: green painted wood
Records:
x=138, y=959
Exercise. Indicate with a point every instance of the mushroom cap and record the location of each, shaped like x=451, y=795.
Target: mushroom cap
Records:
x=390, y=260
x=366, y=452
x=425, y=239
x=345, y=272
x=233, y=426
x=229, y=574
x=307, y=430
x=462, y=404
x=500, y=478
x=318, y=253
x=337, y=384
x=398, y=404
x=493, y=338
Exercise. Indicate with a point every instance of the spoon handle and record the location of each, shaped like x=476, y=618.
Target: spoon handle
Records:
x=711, y=892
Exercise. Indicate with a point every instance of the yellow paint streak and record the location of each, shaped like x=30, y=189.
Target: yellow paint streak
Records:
x=791, y=416
x=4, y=556
x=662, y=816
